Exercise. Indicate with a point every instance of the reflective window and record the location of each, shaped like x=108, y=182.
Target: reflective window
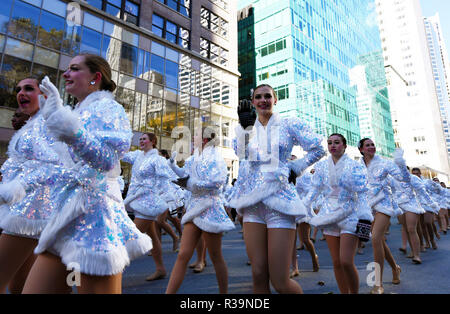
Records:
x=34, y=2
x=158, y=49
x=154, y=114
x=125, y=97
x=131, y=8
x=112, y=30
x=95, y=3
x=172, y=55
x=147, y=66
x=155, y=90
x=72, y=40
x=24, y=21
x=5, y=10
x=157, y=64
x=170, y=31
x=213, y=52
x=169, y=117
x=12, y=69
x=90, y=41
x=55, y=6
x=19, y=49
x=93, y=22
x=170, y=94
x=46, y=57
x=113, y=10
x=131, y=38
x=51, y=31
x=182, y=6
x=42, y=70
x=129, y=59
x=139, y=112
x=214, y=23
x=171, y=74
x=2, y=42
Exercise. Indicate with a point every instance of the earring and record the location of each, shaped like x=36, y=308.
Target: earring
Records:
x=92, y=83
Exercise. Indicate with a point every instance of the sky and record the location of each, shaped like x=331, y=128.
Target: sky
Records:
x=430, y=7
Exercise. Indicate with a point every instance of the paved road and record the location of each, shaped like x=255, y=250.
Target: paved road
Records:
x=431, y=277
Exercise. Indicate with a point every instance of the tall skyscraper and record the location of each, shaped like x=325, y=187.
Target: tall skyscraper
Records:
x=440, y=65
x=315, y=54
x=174, y=61
x=414, y=102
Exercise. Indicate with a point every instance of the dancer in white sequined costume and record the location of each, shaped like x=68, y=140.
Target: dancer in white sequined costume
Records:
x=89, y=229
x=269, y=204
x=380, y=200
x=342, y=182
x=205, y=212
x=149, y=177
x=27, y=206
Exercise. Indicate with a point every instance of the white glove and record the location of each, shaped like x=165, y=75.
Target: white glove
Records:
x=12, y=192
x=398, y=157
x=63, y=124
x=53, y=101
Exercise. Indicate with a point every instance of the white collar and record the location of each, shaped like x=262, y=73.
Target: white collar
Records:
x=273, y=121
x=94, y=96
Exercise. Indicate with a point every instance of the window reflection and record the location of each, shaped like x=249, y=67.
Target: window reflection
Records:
x=5, y=9
x=169, y=117
x=139, y=112
x=51, y=31
x=126, y=98
x=129, y=59
x=13, y=69
x=171, y=74
x=19, y=49
x=72, y=40
x=90, y=41
x=46, y=57
x=111, y=48
x=42, y=70
x=154, y=114
x=55, y=6
x=157, y=69
x=24, y=21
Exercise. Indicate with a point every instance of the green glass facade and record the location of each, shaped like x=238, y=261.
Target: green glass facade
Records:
x=306, y=50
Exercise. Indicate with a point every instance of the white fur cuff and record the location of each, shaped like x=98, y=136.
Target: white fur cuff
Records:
x=63, y=124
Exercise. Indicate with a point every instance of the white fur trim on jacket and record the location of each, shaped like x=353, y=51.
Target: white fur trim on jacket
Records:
x=63, y=124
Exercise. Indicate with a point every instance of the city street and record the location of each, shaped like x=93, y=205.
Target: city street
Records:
x=431, y=277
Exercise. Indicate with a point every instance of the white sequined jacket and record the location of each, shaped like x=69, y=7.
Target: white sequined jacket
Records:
x=380, y=194
x=91, y=227
x=31, y=155
x=149, y=177
x=345, y=181
x=265, y=166
x=207, y=173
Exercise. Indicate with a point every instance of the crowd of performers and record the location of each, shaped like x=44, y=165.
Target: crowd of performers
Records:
x=61, y=202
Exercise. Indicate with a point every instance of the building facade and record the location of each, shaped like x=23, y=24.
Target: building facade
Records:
x=418, y=127
x=174, y=61
x=440, y=65
x=309, y=51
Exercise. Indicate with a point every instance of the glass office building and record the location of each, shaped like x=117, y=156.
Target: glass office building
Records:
x=307, y=49
x=174, y=62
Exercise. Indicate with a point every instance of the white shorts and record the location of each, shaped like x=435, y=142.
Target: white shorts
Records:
x=260, y=213
x=141, y=216
x=336, y=232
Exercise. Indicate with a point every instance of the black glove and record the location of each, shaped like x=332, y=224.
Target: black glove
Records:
x=363, y=230
x=246, y=113
x=182, y=182
x=292, y=177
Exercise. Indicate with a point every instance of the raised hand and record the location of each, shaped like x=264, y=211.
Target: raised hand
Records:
x=246, y=113
x=53, y=101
